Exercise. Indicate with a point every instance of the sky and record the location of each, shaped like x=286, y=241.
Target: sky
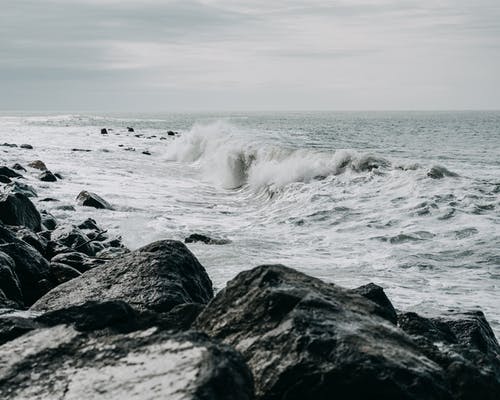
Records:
x=214, y=55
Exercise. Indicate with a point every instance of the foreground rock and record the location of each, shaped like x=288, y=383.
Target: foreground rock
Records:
x=90, y=199
x=306, y=339
x=17, y=209
x=62, y=363
x=157, y=277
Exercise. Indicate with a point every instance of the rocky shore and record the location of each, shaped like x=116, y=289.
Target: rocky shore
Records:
x=82, y=317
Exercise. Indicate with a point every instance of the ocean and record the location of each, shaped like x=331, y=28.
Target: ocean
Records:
x=407, y=200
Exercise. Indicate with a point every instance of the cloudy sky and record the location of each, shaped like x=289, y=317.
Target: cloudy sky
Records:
x=161, y=55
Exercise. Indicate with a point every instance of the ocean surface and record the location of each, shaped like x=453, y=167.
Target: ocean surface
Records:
x=346, y=197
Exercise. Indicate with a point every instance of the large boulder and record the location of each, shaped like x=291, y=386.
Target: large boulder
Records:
x=307, y=339
x=61, y=362
x=17, y=209
x=157, y=277
x=90, y=199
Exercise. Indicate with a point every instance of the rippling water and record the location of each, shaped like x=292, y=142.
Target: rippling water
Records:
x=346, y=197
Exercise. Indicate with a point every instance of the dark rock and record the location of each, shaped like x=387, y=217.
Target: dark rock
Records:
x=163, y=138
x=61, y=362
x=33, y=239
x=306, y=339
x=17, y=209
x=171, y=133
x=66, y=207
x=58, y=176
x=464, y=345
x=9, y=283
x=196, y=237
x=438, y=172
x=90, y=199
x=9, y=173
x=79, y=261
x=4, y=179
x=9, y=145
x=90, y=224
x=31, y=269
x=23, y=188
x=14, y=323
x=376, y=294
x=62, y=273
x=129, y=129
x=73, y=238
x=48, y=220
x=147, y=153
x=27, y=146
x=38, y=164
x=47, y=176
x=111, y=252
x=18, y=167
x=104, y=131
x=49, y=199
x=129, y=149
x=6, y=303
x=157, y=277
x=82, y=150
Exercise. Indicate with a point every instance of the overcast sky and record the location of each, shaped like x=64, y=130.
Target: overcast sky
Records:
x=160, y=55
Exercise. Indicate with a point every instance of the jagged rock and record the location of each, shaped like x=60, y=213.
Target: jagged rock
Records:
x=9, y=173
x=196, y=237
x=90, y=199
x=47, y=176
x=23, y=188
x=18, y=167
x=306, y=339
x=38, y=164
x=17, y=209
x=376, y=294
x=464, y=345
x=78, y=261
x=73, y=238
x=61, y=362
x=158, y=277
x=27, y=146
x=31, y=269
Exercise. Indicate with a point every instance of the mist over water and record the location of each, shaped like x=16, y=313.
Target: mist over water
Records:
x=409, y=201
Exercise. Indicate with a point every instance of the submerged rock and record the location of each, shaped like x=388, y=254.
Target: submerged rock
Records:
x=104, y=131
x=90, y=199
x=17, y=209
x=157, y=277
x=60, y=362
x=196, y=237
x=438, y=172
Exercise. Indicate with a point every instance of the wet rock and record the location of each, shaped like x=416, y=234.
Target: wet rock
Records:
x=111, y=252
x=4, y=179
x=23, y=188
x=47, y=176
x=17, y=209
x=33, y=239
x=376, y=294
x=58, y=175
x=31, y=269
x=157, y=277
x=73, y=238
x=130, y=129
x=9, y=145
x=306, y=339
x=79, y=261
x=90, y=199
x=82, y=150
x=104, y=131
x=171, y=133
x=49, y=200
x=48, y=220
x=464, y=345
x=6, y=303
x=61, y=362
x=9, y=283
x=9, y=173
x=27, y=146
x=89, y=224
x=61, y=273
x=38, y=164
x=18, y=167
x=66, y=207
x=147, y=153
x=438, y=172
x=196, y=237
x=14, y=323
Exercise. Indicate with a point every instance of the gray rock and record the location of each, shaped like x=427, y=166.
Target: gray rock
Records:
x=4, y=179
x=17, y=209
x=376, y=294
x=61, y=273
x=79, y=261
x=90, y=199
x=23, y=188
x=73, y=238
x=157, y=277
x=439, y=172
x=18, y=167
x=196, y=237
x=38, y=164
x=47, y=176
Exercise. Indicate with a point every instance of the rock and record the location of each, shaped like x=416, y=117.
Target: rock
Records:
x=90, y=224
x=82, y=150
x=19, y=187
x=438, y=172
x=6, y=303
x=129, y=129
x=49, y=200
x=58, y=176
x=73, y=238
x=27, y=146
x=31, y=269
x=17, y=209
x=47, y=176
x=306, y=339
x=9, y=283
x=66, y=207
x=33, y=239
x=9, y=173
x=62, y=273
x=464, y=345
x=78, y=261
x=90, y=199
x=4, y=179
x=18, y=167
x=9, y=145
x=48, y=220
x=104, y=131
x=196, y=237
x=14, y=323
x=38, y=164
x=61, y=362
x=111, y=252
x=157, y=277
x=147, y=153
x=376, y=294
x=171, y=133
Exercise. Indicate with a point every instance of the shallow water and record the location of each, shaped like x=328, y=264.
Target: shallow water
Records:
x=345, y=197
